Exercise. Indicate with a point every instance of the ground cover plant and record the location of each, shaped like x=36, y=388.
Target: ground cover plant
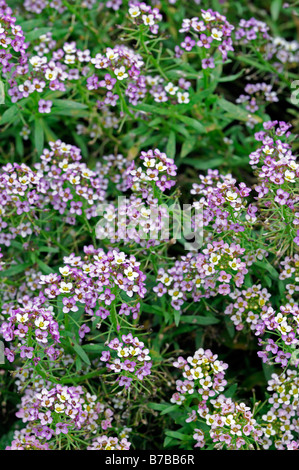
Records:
x=149, y=225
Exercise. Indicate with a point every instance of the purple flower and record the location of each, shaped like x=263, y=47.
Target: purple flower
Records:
x=69, y=305
x=83, y=330
x=208, y=63
x=61, y=428
x=188, y=43
x=44, y=106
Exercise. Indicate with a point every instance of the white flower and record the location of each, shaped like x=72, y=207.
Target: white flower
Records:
x=59, y=407
x=148, y=20
x=161, y=167
x=121, y=73
x=267, y=150
x=130, y=273
x=149, y=162
x=183, y=97
x=37, y=61
x=207, y=16
x=65, y=271
x=69, y=59
x=119, y=257
x=171, y=89
x=231, y=196
x=216, y=34
x=111, y=54
x=65, y=287
x=51, y=74
x=41, y=323
x=134, y=11
x=214, y=258
x=234, y=264
x=175, y=293
x=289, y=176
x=22, y=318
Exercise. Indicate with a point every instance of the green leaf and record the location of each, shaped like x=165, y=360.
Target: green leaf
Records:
x=48, y=249
x=178, y=435
x=268, y=267
x=2, y=93
x=188, y=146
x=158, y=406
x=153, y=309
x=171, y=145
x=78, y=364
x=15, y=269
x=113, y=316
x=30, y=24
x=236, y=112
x=36, y=33
x=19, y=145
x=44, y=267
x=203, y=164
x=148, y=108
x=229, y=393
x=275, y=9
x=169, y=409
x=69, y=104
x=69, y=108
x=39, y=135
x=193, y=123
x=268, y=370
x=177, y=317
x=80, y=351
x=94, y=347
x=9, y=115
x=199, y=320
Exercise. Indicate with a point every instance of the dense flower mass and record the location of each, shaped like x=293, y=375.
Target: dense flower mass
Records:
x=149, y=225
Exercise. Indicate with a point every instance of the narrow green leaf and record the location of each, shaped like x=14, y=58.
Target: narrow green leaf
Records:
x=275, y=9
x=236, y=112
x=69, y=104
x=171, y=145
x=15, y=269
x=36, y=33
x=192, y=122
x=80, y=351
x=2, y=93
x=199, y=320
x=38, y=135
x=44, y=267
x=9, y=115
x=113, y=316
x=188, y=146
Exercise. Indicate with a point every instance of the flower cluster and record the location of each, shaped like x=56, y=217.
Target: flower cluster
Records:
x=33, y=327
x=59, y=183
x=277, y=173
x=144, y=14
x=251, y=30
x=141, y=217
x=280, y=423
x=256, y=95
x=57, y=412
x=12, y=40
x=224, y=202
x=230, y=425
x=217, y=270
x=248, y=308
x=284, y=53
x=284, y=327
x=128, y=359
x=211, y=32
x=95, y=281
x=290, y=272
